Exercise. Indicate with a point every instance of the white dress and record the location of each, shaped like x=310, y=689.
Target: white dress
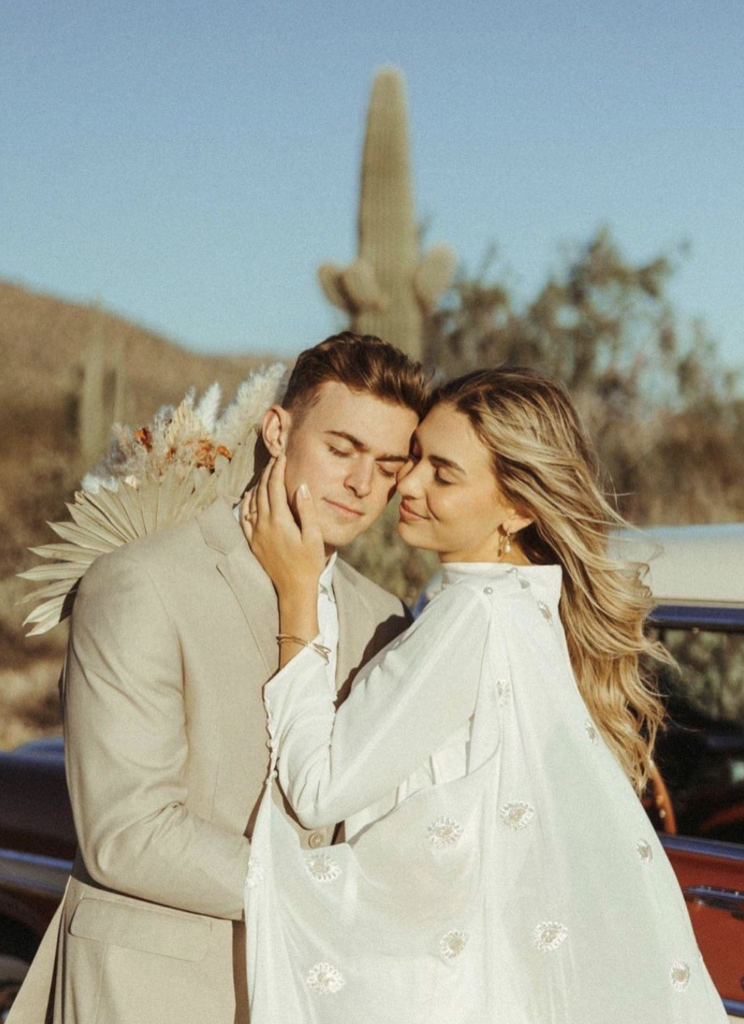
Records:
x=498, y=868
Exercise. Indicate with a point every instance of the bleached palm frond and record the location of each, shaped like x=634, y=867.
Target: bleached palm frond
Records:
x=254, y=396
x=209, y=406
x=152, y=478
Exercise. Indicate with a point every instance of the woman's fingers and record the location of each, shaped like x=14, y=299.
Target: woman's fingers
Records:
x=247, y=515
x=263, y=506
x=277, y=491
x=248, y=507
x=307, y=514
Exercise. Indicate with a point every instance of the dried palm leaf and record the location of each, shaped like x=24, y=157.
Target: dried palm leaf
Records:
x=158, y=476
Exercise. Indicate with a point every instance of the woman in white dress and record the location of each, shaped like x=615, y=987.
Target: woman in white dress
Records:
x=498, y=864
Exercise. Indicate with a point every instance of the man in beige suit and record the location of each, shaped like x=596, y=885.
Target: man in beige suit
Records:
x=172, y=639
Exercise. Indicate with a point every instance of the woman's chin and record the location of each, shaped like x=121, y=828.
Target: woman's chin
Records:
x=413, y=536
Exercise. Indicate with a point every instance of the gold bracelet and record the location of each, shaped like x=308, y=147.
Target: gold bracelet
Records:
x=324, y=652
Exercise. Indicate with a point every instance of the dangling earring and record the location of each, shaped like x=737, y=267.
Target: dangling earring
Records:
x=504, y=544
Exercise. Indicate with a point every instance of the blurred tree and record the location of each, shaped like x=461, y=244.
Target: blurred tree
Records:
x=663, y=412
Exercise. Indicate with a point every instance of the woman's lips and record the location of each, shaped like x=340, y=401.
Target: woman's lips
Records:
x=344, y=510
x=408, y=515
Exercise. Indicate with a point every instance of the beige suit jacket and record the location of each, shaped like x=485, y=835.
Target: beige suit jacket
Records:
x=171, y=642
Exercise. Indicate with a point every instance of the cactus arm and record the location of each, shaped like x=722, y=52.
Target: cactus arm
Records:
x=360, y=284
x=434, y=275
x=329, y=275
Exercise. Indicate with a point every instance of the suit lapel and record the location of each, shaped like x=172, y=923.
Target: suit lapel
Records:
x=241, y=571
x=256, y=596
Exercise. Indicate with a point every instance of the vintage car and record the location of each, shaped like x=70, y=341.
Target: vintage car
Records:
x=696, y=801
x=37, y=845
x=697, y=577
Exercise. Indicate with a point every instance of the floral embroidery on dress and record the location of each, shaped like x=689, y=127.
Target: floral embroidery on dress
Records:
x=545, y=611
x=517, y=815
x=255, y=873
x=503, y=692
x=644, y=851
x=549, y=935
x=591, y=731
x=325, y=979
x=680, y=975
x=453, y=943
x=321, y=867
x=444, y=832
x=524, y=584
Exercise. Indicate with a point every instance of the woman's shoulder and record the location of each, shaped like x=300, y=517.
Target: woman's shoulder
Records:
x=495, y=593
x=499, y=580
x=455, y=596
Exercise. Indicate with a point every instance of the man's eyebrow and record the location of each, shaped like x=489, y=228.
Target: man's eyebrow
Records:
x=360, y=446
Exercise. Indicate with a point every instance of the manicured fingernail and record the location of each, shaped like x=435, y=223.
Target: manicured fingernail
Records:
x=304, y=492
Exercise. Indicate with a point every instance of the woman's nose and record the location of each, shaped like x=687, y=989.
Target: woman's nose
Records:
x=408, y=482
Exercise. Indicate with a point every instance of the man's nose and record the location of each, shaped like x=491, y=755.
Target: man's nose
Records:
x=359, y=478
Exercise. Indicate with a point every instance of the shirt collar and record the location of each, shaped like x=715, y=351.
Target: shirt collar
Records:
x=325, y=583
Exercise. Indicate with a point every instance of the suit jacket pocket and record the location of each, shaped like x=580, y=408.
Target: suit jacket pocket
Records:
x=151, y=931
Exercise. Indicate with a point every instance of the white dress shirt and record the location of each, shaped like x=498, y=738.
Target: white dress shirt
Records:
x=328, y=614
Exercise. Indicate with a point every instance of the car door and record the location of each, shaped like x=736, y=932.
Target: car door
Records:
x=701, y=760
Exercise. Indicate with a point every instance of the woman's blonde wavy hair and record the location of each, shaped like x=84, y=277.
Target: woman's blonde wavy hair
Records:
x=546, y=467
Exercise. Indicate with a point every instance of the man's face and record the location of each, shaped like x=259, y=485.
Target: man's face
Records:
x=347, y=447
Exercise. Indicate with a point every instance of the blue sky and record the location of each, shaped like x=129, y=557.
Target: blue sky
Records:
x=190, y=164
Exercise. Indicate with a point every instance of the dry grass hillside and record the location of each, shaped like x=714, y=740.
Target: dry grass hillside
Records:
x=43, y=341
x=43, y=345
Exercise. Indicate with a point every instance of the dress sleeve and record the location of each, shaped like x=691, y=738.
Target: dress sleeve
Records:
x=405, y=703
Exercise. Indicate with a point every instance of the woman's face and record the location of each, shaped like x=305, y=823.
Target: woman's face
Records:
x=451, y=502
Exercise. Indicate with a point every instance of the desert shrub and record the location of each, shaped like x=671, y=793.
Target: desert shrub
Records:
x=664, y=412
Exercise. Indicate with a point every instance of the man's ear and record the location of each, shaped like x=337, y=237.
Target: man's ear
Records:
x=275, y=429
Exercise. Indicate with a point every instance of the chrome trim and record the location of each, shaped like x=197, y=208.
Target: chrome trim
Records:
x=734, y=1007
x=697, y=616
x=46, y=876
x=713, y=848
x=729, y=900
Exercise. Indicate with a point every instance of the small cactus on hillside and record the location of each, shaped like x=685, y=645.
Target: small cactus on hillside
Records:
x=387, y=290
x=102, y=397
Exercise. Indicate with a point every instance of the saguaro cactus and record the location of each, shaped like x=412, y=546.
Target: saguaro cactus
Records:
x=387, y=289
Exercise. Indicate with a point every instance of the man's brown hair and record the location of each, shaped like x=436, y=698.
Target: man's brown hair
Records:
x=363, y=363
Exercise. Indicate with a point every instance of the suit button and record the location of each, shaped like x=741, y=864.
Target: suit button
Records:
x=315, y=840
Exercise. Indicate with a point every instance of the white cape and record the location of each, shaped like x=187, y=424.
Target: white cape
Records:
x=531, y=889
